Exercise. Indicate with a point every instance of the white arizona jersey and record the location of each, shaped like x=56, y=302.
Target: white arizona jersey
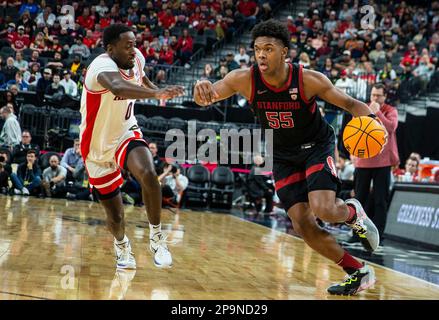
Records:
x=106, y=118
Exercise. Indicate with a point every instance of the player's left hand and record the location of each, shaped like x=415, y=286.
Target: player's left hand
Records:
x=170, y=92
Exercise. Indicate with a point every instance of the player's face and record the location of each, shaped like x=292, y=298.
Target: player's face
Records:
x=270, y=54
x=123, y=52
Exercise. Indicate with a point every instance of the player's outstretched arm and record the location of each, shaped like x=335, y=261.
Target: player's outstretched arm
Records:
x=148, y=83
x=114, y=82
x=236, y=81
x=317, y=84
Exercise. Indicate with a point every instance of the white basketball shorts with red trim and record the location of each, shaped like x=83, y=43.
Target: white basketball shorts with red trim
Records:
x=106, y=176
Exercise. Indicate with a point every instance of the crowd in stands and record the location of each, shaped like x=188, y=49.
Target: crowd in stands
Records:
x=34, y=37
x=330, y=38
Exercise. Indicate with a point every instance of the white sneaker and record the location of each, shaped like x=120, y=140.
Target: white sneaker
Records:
x=162, y=256
x=124, y=256
x=25, y=191
x=17, y=192
x=363, y=227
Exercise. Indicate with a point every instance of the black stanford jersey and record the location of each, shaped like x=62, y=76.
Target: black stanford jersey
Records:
x=295, y=120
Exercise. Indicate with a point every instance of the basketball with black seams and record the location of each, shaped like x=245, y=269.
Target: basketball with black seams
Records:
x=364, y=137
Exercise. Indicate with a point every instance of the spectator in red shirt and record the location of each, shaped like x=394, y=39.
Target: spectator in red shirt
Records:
x=147, y=35
x=249, y=9
x=185, y=47
x=291, y=26
x=105, y=21
x=167, y=19
x=38, y=43
x=215, y=5
x=166, y=55
x=86, y=20
x=20, y=40
x=89, y=41
x=196, y=16
x=325, y=49
x=10, y=35
x=147, y=51
x=53, y=44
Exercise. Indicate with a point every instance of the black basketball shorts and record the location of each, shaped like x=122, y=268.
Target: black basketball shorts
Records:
x=308, y=169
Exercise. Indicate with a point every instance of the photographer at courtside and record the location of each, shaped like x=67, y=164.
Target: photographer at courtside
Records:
x=173, y=183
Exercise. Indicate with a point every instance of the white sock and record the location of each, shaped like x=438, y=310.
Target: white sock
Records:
x=121, y=242
x=153, y=230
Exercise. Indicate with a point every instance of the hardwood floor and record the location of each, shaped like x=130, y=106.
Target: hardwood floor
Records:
x=55, y=249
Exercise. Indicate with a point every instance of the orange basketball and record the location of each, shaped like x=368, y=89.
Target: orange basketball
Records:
x=364, y=137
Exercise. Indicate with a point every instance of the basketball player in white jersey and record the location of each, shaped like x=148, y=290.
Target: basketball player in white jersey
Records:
x=111, y=138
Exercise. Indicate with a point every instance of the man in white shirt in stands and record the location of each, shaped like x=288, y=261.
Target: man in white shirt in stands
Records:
x=68, y=84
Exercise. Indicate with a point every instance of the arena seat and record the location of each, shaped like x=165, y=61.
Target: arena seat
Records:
x=222, y=187
x=197, y=191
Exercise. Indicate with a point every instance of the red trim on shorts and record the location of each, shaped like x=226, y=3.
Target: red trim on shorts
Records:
x=105, y=179
x=252, y=94
x=298, y=176
x=93, y=102
x=286, y=85
x=111, y=187
x=294, y=178
x=314, y=169
x=301, y=90
x=123, y=146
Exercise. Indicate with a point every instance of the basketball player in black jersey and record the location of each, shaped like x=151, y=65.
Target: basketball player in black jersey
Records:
x=283, y=96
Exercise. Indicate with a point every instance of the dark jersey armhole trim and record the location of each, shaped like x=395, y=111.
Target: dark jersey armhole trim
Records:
x=301, y=90
x=252, y=94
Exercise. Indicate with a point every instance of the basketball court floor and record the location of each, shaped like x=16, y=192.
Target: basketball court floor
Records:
x=56, y=249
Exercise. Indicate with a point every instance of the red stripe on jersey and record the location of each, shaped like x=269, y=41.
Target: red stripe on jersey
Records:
x=95, y=92
x=104, y=179
x=314, y=168
x=92, y=104
x=111, y=187
x=125, y=76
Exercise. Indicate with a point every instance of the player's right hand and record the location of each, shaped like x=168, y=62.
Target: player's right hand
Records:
x=204, y=92
x=169, y=92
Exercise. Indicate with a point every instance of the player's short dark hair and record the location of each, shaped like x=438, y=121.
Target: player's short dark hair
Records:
x=112, y=33
x=380, y=85
x=272, y=28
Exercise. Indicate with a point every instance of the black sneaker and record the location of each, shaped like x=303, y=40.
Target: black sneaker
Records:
x=358, y=281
